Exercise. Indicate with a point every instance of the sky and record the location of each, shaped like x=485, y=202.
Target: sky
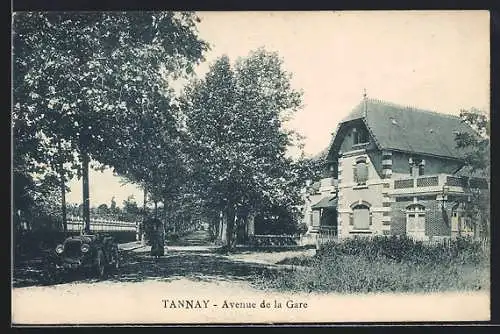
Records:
x=434, y=60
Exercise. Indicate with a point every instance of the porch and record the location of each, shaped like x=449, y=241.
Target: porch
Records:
x=324, y=214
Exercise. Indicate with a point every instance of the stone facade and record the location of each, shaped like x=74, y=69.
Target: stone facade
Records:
x=370, y=194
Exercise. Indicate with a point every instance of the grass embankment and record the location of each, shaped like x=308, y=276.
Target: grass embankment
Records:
x=386, y=265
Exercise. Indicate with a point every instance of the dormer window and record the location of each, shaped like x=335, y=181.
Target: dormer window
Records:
x=416, y=166
x=360, y=136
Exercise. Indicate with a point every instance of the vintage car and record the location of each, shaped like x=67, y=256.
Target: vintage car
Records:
x=90, y=252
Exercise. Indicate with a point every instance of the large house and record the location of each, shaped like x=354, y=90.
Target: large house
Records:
x=392, y=170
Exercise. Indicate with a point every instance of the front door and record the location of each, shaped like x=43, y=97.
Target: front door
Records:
x=415, y=225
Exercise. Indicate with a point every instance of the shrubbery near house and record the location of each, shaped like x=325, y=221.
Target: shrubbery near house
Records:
x=396, y=264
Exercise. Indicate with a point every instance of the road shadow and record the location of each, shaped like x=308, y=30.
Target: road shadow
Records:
x=192, y=265
x=138, y=267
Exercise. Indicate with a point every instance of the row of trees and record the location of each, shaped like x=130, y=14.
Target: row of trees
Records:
x=129, y=208
x=99, y=87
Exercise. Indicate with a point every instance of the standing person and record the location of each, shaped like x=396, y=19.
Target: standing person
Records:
x=157, y=243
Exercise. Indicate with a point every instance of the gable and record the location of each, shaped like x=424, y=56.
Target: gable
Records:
x=356, y=136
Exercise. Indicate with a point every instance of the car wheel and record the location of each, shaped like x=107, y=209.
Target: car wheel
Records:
x=100, y=264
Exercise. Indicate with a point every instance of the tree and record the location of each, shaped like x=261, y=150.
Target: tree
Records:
x=80, y=78
x=37, y=200
x=130, y=206
x=234, y=119
x=103, y=209
x=112, y=206
x=476, y=147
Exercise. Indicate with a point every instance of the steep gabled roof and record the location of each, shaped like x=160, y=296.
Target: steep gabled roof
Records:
x=408, y=129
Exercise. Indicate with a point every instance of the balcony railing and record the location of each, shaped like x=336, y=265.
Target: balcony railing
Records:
x=436, y=182
x=401, y=184
x=428, y=181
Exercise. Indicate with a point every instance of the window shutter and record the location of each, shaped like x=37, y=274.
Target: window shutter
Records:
x=355, y=174
x=371, y=218
x=361, y=217
x=351, y=219
x=362, y=172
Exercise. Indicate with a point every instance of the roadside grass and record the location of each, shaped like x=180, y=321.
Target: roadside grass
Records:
x=385, y=265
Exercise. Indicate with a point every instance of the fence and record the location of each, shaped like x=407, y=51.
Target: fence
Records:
x=326, y=235
x=76, y=224
x=447, y=241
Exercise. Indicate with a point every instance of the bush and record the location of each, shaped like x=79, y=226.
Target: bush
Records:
x=387, y=265
x=404, y=249
x=173, y=236
x=302, y=228
x=272, y=240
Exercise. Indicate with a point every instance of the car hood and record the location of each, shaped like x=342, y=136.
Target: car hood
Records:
x=83, y=239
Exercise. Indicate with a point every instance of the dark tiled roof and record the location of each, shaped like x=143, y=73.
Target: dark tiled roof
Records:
x=409, y=129
x=326, y=202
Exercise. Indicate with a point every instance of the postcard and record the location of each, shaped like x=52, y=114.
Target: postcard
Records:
x=279, y=167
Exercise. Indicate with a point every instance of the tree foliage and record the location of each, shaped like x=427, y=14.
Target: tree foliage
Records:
x=476, y=145
x=89, y=83
x=234, y=119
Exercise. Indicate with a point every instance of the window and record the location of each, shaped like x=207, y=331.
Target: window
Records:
x=361, y=217
x=360, y=136
x=361, y=172
x=415, y=221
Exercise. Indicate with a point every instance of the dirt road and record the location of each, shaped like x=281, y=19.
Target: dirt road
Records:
x=216, y=289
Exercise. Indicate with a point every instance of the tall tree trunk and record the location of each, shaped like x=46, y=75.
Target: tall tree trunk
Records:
x=249, y=226
x=63, y=191
x=223, y=227
x=142, y=230
x=165, y=218
x=63, y=204
x=144, y=202
x=213, y=224
x=156, y=209
x=230, y=222
x=85, y=190
x=214, y=221
x=173, y=220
